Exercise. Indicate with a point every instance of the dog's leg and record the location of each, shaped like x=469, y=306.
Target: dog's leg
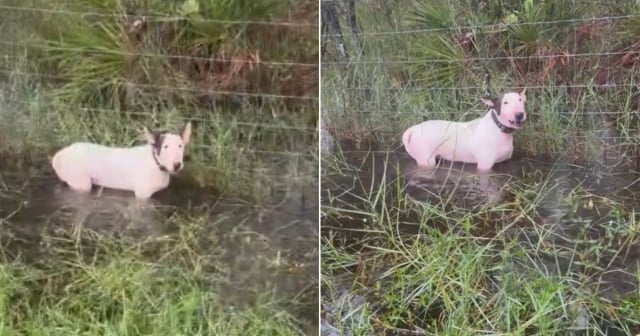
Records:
x=142, y=192
x=485, y=164
x=485, y=158
x=427, y=160
x=489, y=188
x=80, y=183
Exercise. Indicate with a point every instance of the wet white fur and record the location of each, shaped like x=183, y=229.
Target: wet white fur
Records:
x=477, y=141
x=82, y=165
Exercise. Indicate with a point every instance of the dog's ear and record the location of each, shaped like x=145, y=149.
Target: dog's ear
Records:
x=149, y=137
x=523, y=94
x=490, y=102
x=186, y=133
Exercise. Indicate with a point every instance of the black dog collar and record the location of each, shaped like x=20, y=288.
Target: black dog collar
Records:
x=503, y=128
x=161, y=167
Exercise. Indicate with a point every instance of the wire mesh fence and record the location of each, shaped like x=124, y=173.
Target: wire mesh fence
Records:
x=237, y=66
x=388, y=65
x=148, y=16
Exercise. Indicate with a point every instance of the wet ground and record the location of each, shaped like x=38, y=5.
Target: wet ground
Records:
x=271, y=245
x=576, y=205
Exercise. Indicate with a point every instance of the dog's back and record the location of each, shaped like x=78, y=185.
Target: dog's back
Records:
x=443, y=138
x=111, y=167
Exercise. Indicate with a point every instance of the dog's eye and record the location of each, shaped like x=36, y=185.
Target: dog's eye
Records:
x=505, y=103
x=166, y=146
x=179, y=146
x=520, y=99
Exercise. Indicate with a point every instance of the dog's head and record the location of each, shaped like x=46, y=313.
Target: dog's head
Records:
x=168, y=148
x=509, y=108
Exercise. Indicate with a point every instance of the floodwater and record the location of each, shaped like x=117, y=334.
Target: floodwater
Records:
x=34, y=205
x=572, y=226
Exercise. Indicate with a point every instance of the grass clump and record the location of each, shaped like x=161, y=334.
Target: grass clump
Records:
x=67, y=276
x=125, y=297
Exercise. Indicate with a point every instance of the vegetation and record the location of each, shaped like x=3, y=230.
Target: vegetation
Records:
x=427, y=59
x=245, y=73
x=455, y=265
x=65, y=277
x=552, y=257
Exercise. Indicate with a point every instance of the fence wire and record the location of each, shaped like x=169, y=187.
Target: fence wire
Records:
x=152, y=55
x=366, y=72
x=162, y=87
x=151, y=17
x=495, y=26
x=13, y=67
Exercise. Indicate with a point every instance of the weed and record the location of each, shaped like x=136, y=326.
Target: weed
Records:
x=530, y=265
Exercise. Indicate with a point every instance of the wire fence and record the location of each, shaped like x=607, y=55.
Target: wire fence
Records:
x=151, y=17
x=477, y=59
x=155, y=55
x=459, y=112
x=495, y=26
x=15, y=48
x=475, y=87
x=379, y=58
x=161, y=87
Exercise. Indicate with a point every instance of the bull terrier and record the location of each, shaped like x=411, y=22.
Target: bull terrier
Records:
x=144, y=169
x=484, y=141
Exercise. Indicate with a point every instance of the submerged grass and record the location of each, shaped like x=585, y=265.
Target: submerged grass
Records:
x=91, y=283
x=190, y=264
x=395, y=265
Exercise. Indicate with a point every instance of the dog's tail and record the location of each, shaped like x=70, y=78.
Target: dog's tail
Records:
x=53, y=159
x=55, y=163
x=406, y=138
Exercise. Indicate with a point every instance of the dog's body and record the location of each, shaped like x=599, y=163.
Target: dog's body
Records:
x=484, y=141
x=144, y=169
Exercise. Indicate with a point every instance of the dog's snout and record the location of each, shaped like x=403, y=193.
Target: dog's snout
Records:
x=177, y=166
x=519, y=116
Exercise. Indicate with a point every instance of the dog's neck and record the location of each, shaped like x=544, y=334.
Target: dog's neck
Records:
x=155, y=158
x=503, y=128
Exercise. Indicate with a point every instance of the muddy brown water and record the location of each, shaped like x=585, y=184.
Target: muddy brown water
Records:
x=35, y=205
x=372, y=165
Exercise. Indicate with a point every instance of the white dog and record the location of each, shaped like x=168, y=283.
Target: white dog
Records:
x=143, y=169
x=483, y=141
